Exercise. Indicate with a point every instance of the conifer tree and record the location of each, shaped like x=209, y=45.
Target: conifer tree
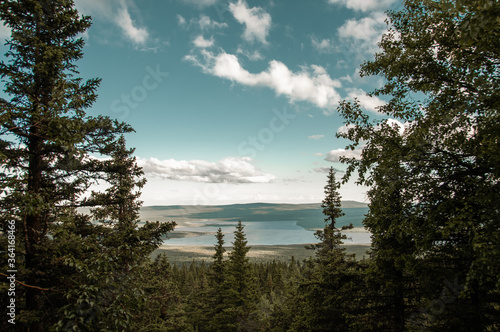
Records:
x=325, y=293
x=218, y=266
x=239, y=286
x=48, y=147
x=217, y=282
x=330, y=237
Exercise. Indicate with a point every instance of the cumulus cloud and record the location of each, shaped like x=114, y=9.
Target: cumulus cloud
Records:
x=365, y=101
x=202, y=42
x=316, y=137
x=311, y=83
x=367, y=28
x=257, y=22
x=206, y=23
x=363, y=35
x=323, y=45
x=334, y=155
x=364, y=5
x=228, y=170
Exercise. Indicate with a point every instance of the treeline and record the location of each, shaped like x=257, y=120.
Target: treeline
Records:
x=430, y=157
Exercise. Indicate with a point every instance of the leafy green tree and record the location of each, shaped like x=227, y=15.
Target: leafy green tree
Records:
x=441, y=64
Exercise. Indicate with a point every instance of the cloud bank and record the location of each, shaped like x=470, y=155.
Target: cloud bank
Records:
x=228, y=170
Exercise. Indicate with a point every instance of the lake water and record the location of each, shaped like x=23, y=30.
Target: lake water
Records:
x=257, y=233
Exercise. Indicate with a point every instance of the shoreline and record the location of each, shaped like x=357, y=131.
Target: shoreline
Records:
x=182, y=254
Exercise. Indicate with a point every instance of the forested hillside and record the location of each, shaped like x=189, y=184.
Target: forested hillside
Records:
x=430, y=157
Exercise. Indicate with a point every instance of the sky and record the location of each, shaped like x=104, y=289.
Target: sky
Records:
x=233, y=101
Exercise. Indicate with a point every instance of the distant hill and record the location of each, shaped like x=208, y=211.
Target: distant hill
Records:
x=306, y=215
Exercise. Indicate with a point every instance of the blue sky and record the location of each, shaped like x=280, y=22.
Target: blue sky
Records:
x=233, y=101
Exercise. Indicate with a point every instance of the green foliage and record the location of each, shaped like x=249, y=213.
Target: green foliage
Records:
x=435, y=183
x=48, y=150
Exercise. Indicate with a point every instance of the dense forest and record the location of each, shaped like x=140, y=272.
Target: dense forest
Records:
x=434, y=195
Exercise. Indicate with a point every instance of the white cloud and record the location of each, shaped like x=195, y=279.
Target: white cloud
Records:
x=257, y=22
x=326, y=170
x=206, y=23
x=200, y=3
x=5, y=31
x=344, y=129
x=366, y=102
x=121, y=17
x=311, y=83
x=316, y=137
x=400, y=125
x=362, y=36
x=181, y=20
x=334, y=155
x=252, y=56
x=228, y=170
x=368, y=28
x=138, y=35
x=323, y=45
x=202, y=42
x=364, y=5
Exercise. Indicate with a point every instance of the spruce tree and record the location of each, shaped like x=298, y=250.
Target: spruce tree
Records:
x=217, y=296
x=325, y=296
x=330, y=237
x=48, y=150
x=239, y=286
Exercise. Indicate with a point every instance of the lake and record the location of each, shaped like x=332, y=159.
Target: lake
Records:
x=257, y=232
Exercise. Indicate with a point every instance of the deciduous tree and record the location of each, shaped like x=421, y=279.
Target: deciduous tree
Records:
x=441, y=63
